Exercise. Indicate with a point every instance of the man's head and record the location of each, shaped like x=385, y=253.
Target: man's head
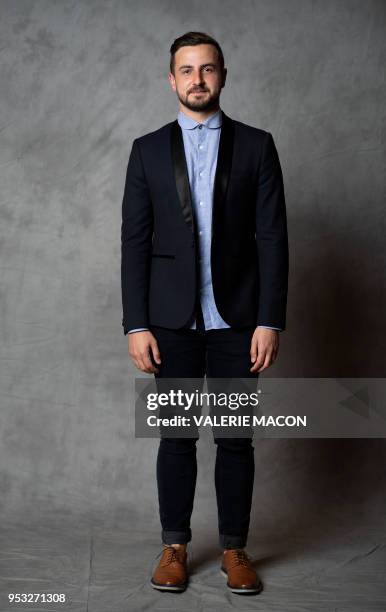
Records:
x=197, y=72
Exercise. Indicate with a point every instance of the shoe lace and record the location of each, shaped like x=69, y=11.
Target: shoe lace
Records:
x=240, y=557
x=171, y=555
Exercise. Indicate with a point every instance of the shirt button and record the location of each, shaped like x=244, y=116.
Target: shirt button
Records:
x=200, y=232
x=201, y=203
x=200, y=146
x=201, y=173
x=200, y=126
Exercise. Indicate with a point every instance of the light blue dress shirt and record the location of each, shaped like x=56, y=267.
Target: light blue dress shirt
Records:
x=201, y=142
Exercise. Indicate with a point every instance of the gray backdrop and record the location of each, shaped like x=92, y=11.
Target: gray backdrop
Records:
x=81, y=80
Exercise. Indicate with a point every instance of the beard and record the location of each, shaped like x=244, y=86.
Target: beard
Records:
x=201, y=103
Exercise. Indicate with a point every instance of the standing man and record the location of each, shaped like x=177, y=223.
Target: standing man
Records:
x=204, y=286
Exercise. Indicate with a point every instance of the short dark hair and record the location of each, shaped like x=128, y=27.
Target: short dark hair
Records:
x=191, y=39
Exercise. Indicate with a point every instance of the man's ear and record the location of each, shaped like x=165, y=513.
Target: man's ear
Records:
x=172, y=81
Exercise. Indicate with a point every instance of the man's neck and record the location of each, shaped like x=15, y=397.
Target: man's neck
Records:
x=198, y=115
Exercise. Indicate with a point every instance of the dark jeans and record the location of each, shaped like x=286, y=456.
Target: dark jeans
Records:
x=223, y=353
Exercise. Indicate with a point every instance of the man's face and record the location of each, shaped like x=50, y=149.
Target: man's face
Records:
x=197, y=78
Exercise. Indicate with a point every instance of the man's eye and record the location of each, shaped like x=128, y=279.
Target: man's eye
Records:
x=208, y=69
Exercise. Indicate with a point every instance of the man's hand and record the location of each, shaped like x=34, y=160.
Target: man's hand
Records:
x=264, y=348
x=141, y=345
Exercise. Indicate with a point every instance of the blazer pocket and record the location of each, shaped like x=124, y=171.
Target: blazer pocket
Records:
x=163, y=255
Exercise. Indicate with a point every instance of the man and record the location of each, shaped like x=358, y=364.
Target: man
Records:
x=204, y=286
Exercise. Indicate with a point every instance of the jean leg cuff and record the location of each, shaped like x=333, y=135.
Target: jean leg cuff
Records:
x=176, y=537
x=232, y=541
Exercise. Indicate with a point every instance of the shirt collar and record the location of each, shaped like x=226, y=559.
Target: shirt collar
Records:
x=187, y=123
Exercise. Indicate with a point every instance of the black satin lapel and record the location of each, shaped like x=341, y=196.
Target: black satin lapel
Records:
x=224, y=165
x=223, y=169
x=181, y=173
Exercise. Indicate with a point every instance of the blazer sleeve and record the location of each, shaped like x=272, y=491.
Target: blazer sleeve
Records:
x=271, y=239
x=136, y=241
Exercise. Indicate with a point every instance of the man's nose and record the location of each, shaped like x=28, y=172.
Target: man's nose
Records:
x=198, y=78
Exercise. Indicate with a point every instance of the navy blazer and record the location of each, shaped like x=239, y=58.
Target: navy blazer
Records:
x=249, y=249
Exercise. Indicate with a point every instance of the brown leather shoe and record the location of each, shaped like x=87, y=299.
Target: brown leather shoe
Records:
x=171, y=573
x=237, y=567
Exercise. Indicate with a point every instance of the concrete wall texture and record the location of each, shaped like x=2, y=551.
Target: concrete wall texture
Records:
x=81, y=80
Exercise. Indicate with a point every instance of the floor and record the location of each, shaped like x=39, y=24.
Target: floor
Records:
x=105, y=569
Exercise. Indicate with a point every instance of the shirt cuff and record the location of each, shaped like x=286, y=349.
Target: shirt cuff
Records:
x=131, y=331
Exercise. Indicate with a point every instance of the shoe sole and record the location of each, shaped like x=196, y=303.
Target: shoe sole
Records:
x=235, y=590
x=168, y=587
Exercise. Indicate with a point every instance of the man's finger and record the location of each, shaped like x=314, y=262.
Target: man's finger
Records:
x=137, y=363
x=149, y=368
x=144, y=368
x=155, y=351
x=253, y=351
x=259, y=361
x=267, y=362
